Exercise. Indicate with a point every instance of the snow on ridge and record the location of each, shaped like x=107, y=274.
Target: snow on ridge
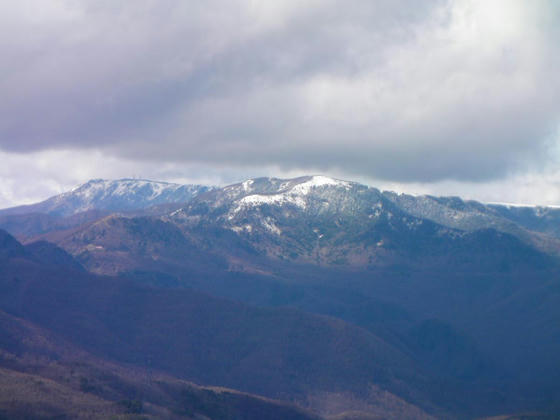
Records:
x=90, y=189
x=522, y=205
x=318, y=181
x=100, y=188
x=288, y=192
x=127, y=192
x=278, y=199
x=247, y=184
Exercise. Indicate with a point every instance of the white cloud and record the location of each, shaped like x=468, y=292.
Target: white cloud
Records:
x=398, y=91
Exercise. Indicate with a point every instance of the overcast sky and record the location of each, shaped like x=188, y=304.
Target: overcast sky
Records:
x=444, y=97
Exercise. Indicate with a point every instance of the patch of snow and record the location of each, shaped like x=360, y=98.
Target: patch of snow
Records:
x=318, y=181
x=239, y=229
x=510, y=205
x=247, y=184
x=289, y=193
x=176, y=213
x=269, y=224
x=92, y=247
x=274, y=199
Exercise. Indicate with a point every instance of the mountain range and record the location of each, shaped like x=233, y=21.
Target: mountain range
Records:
x=311, y=297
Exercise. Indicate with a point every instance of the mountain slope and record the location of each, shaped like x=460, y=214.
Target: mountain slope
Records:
x=278, y=353
x=44, y=376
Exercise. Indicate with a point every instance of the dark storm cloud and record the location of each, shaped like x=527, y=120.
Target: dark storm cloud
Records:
x=395, y=90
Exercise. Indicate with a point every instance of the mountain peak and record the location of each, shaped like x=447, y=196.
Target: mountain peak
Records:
x=300, y=185
x=119, y=187
x=276, y=191
x=315, y=181
x=114, y=195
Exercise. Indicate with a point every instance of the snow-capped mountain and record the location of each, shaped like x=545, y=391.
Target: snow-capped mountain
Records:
x=321, y=195
x=321, y=220
x=288, y=199
x=325, y=220
x=112, y=195
x=295, y=193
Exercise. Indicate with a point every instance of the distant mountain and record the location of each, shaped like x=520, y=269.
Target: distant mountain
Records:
x=454, y=212
x=116, y=195
x=528, y=223
x=536, y=218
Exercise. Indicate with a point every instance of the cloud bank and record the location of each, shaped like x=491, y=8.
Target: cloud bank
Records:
x=399, y=91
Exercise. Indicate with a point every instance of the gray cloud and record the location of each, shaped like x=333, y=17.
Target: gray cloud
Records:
x=394, y=90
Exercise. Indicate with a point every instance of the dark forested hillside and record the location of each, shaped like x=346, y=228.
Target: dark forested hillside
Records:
x=278, y=353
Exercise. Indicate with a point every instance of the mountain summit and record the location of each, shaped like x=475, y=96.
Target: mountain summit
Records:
x=112, y=195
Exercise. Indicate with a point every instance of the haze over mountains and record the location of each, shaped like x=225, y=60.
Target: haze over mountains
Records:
x=343, y=299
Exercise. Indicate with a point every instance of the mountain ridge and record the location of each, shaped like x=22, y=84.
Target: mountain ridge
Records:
x=308, y=216
x=116, y=195
x=326, y=180
x=124, y=194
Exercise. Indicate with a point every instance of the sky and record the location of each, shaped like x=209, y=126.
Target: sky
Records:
x=441, y=97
